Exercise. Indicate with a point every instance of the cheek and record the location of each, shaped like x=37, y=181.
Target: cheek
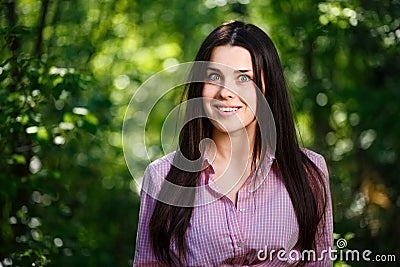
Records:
x=207, y=94
x=208, y=91
x=250, y=98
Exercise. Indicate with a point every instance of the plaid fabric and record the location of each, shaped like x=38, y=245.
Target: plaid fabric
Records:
x=261, y=230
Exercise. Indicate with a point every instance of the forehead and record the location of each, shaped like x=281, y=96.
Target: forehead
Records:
x=235, y=57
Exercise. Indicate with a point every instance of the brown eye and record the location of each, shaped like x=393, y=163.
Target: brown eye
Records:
x=214, y=77
x=243, y=78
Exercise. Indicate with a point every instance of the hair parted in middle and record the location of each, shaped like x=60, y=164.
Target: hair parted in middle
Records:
x=302, y=178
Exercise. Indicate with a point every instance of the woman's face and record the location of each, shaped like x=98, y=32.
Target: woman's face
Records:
x=229, y=96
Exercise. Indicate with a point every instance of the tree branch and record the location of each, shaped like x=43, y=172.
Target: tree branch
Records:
x=42, y=22
x=13, y=43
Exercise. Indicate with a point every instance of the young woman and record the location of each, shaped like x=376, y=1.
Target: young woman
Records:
x=268, y=209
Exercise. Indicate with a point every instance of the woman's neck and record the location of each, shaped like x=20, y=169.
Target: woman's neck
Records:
x=232, y=160
x=234, y=146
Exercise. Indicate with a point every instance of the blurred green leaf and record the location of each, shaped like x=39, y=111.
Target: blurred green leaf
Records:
x=69, y=80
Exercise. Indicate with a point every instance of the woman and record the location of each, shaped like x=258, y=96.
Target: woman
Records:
x=288, y=211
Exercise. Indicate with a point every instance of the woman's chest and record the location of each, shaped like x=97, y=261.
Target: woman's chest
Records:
x=261, y=219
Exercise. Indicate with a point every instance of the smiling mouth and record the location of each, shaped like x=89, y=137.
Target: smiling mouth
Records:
x=227, y=109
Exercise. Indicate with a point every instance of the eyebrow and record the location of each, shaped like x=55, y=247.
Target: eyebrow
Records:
x=218, y=70
x=243, y=71
x=213, y=69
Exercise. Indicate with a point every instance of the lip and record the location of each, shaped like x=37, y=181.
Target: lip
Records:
x=226, y=110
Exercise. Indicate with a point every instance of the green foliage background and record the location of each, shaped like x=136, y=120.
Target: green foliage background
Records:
x=68, y=69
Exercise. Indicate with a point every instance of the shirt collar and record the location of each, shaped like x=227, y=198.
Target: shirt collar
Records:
x=261, y=173
x=255, y=181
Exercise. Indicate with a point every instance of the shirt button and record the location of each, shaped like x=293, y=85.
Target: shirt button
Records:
x=239, y=244
x=242, y=209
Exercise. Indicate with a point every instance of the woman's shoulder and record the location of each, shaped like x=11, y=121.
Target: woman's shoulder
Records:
x=155, y=174
x=316, y=158
x=162, y=164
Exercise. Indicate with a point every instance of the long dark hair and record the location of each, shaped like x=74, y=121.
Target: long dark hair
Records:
x=302, y=178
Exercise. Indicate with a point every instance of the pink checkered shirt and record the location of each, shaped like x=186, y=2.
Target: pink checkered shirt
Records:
x=261, y=230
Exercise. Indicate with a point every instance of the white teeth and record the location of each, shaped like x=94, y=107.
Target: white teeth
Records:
x=224, y=109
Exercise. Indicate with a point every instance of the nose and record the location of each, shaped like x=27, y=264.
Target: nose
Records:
x=225, y=93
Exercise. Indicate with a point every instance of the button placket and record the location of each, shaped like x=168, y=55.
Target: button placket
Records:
x=235, y=229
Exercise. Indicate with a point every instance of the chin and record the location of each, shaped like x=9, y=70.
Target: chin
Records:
x=224, y=128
